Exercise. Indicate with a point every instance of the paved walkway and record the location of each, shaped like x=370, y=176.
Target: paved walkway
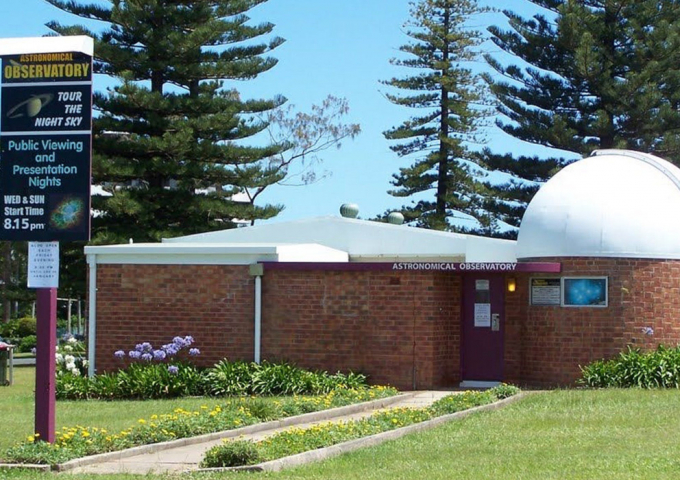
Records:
x=187, y=457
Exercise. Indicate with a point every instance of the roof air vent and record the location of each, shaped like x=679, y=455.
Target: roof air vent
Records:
x=349, y=210
x=395, y=218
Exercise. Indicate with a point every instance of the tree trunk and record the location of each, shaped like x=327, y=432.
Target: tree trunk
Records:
x=6, y=280
x=442, y=176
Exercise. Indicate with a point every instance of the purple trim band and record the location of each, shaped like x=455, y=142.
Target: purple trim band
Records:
x=499, y=267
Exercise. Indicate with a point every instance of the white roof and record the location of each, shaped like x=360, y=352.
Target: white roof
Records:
x=616, y=203
x=19, y=46
x=199, y=253
x=367, y=240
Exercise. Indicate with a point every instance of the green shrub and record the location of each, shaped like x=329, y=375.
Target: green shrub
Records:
x=461, y=401
x=504, y=391
x=281, y=379
x=658, y=368
x=27, y=344
x=230, y=378
x=74, y=387
x=105, y=386
x=262, y=409
x=154, y=380
x=231, y=454
x=19, y=328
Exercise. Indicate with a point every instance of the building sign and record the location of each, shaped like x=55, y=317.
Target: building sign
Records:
x=482, y=303
x=546, y=291
x=498, y=267
x=45, y=146
x=43, y=264
x=456, y=267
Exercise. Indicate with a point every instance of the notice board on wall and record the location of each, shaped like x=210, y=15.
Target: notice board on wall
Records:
x=546, y=291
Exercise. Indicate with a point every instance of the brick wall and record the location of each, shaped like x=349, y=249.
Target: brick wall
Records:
x=154, y=303
x=379, y=323
x=400, y=329
x=545, y=345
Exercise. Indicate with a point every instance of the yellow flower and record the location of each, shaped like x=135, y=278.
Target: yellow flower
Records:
x=31, y=438
x=142, y=421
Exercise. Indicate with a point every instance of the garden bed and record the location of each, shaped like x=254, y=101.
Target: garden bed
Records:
x=294, y=441
x=77, y=442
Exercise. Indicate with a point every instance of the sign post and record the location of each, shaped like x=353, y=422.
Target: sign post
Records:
x=45, y=169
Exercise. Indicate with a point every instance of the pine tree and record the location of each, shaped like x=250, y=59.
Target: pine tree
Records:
x=603, y=74
x=450, y=96
x=171, y=139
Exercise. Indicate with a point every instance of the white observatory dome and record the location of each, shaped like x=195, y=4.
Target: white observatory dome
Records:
x=615, y=203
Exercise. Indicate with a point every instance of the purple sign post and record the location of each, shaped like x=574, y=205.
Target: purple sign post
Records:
x=45, y=170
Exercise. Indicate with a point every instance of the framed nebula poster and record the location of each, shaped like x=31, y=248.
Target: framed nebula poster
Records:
x=584, y=292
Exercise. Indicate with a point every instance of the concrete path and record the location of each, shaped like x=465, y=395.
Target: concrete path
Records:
x=18, y=362
x=187, y=457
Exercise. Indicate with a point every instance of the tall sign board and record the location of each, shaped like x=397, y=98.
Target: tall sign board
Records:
x=45, y=145
x=45, y=168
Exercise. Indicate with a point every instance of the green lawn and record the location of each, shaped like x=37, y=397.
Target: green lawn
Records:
x=17, y=410
x=606, y=434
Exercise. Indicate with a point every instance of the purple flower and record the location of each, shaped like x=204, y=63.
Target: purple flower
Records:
x=173, y=370
x=144, y=347
x=194, y=351
x=159, y=355
x=170, y=349
x=648, y=330
x=188, y=340
x=134, y=354
x=35, y=350
x=178, y=341
x=147, y=357
x=119, y=354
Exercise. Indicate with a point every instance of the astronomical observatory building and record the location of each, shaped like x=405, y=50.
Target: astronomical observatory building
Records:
x=596, y=267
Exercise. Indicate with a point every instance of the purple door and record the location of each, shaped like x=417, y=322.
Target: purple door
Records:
x=483, y=326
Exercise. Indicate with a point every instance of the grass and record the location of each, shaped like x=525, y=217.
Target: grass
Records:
x=17, y=410
x=613, y=434
x=577, y=434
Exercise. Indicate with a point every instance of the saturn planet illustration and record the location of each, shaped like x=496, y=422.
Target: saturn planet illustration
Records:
x=31, y=106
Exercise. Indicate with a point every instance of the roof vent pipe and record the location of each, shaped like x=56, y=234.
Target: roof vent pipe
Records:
x=349, y=210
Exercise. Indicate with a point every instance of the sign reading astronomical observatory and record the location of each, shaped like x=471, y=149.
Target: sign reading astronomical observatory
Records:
x=45, y=146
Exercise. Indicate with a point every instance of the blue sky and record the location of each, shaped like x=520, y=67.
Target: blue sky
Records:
x=338, y=47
